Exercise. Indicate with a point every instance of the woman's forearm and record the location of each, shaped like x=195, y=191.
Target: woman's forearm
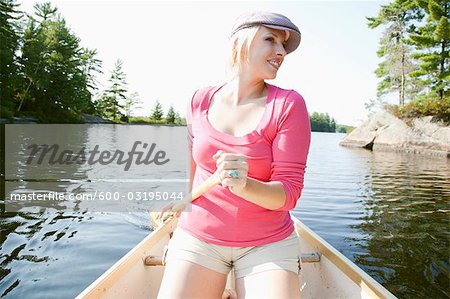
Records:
x=269, y=195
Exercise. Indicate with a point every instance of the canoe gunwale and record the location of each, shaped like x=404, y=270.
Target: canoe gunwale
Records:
x=356, y=274
x=108, y=278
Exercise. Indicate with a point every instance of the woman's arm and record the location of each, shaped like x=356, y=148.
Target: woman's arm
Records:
x=289, y=154
x=269, y=195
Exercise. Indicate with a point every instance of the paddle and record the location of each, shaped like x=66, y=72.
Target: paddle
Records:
x=175, y=208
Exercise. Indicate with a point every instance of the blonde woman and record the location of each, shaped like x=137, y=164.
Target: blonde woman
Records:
x=254, y=138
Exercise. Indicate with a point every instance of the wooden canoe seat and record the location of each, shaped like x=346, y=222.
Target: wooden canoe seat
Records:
x=151, y=260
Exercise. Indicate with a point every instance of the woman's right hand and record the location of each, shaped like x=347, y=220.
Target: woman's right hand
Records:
x=174, y=208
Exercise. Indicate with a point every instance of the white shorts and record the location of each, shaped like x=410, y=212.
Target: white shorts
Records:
x=281, y=255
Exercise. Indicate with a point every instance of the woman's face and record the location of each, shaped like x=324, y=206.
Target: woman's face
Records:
x=266, y=53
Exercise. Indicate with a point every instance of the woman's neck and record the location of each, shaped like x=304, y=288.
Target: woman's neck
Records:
x=244, y=89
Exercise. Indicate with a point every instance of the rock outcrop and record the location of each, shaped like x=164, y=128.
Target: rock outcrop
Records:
x=94, y=119
x=383, y=131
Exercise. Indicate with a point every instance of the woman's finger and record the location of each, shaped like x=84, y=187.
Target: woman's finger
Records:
x=231, y=157
x=165, y=209
x=233, y=165
x=217, y=154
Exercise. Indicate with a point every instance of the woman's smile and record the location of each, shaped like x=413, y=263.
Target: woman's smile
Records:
x=275, y=63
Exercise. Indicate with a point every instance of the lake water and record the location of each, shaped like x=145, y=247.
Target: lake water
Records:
x=387, y=212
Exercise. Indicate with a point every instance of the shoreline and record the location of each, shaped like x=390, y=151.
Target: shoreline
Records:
x=385, y=132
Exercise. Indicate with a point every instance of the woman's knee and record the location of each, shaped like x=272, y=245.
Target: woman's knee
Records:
x=269, y=284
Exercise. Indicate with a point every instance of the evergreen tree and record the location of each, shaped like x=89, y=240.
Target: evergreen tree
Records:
x=9, y=36
x=157, y=112
x=171, y=117
x=399, y=18
x=110, y=103
x=178, y=119
x=90, y=66
x=132, y=101
x=432, y=42
x=56, y=69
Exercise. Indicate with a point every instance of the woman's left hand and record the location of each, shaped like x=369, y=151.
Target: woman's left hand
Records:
x=232, y=170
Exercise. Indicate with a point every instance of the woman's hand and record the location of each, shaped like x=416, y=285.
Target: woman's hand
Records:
x=232, y=170
x=174, y=208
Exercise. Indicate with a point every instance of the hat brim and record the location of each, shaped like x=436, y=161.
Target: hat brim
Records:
x=294, y=38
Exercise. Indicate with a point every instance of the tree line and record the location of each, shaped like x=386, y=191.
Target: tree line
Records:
x=45, y=72
x=322, y=122
x=415, y=48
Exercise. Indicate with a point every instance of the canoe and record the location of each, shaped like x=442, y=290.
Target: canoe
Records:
x=326, y=273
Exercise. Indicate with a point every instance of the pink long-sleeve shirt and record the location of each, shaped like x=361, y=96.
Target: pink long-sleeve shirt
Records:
x=276, y=150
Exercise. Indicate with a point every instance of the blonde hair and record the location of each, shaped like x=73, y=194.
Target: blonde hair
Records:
x=238, y=42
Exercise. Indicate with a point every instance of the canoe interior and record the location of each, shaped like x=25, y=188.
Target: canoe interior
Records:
x=333, y=277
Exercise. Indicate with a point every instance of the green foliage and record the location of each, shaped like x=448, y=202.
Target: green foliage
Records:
x=432, y=42
x=9, y=36
x=46, y=74
x=109, y=104
x=44, y=71
x=157, y=112
x=321, y=122
x=171, y=117
x=415, y=47
x=344, y=129
x=132, y=101
x=147, y=120
x=398, y=17
x=439, y=109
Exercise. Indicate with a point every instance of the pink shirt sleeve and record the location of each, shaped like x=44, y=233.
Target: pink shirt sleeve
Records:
x=290, y=149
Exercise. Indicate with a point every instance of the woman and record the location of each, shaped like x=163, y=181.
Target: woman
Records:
x=253, y=138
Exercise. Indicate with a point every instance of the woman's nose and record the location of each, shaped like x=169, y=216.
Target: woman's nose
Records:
x=281, y=51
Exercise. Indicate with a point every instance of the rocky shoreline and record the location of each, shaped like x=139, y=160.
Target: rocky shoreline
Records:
x=385, y=132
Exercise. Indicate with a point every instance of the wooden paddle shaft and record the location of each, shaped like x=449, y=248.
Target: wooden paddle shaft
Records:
x=204, y=187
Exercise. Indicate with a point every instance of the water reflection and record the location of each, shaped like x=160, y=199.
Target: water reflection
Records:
x=56, y=254
x=405, y=229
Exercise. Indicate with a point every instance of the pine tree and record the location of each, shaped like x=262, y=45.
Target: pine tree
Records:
x=171, y=117
x=132, y=101
x=157, y=112
x=90, y=66
x=112, y=99
x=432, y=42
x=178, y=119
x=398, y=17
x=9, y=36
x=56, y=70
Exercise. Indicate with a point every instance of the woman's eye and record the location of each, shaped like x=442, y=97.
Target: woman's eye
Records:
x=270, y=39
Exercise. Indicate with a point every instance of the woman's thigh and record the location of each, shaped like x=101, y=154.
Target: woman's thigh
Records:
x=183, y=279
x=276, y=284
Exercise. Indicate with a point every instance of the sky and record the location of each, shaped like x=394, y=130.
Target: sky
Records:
x=170, y=49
